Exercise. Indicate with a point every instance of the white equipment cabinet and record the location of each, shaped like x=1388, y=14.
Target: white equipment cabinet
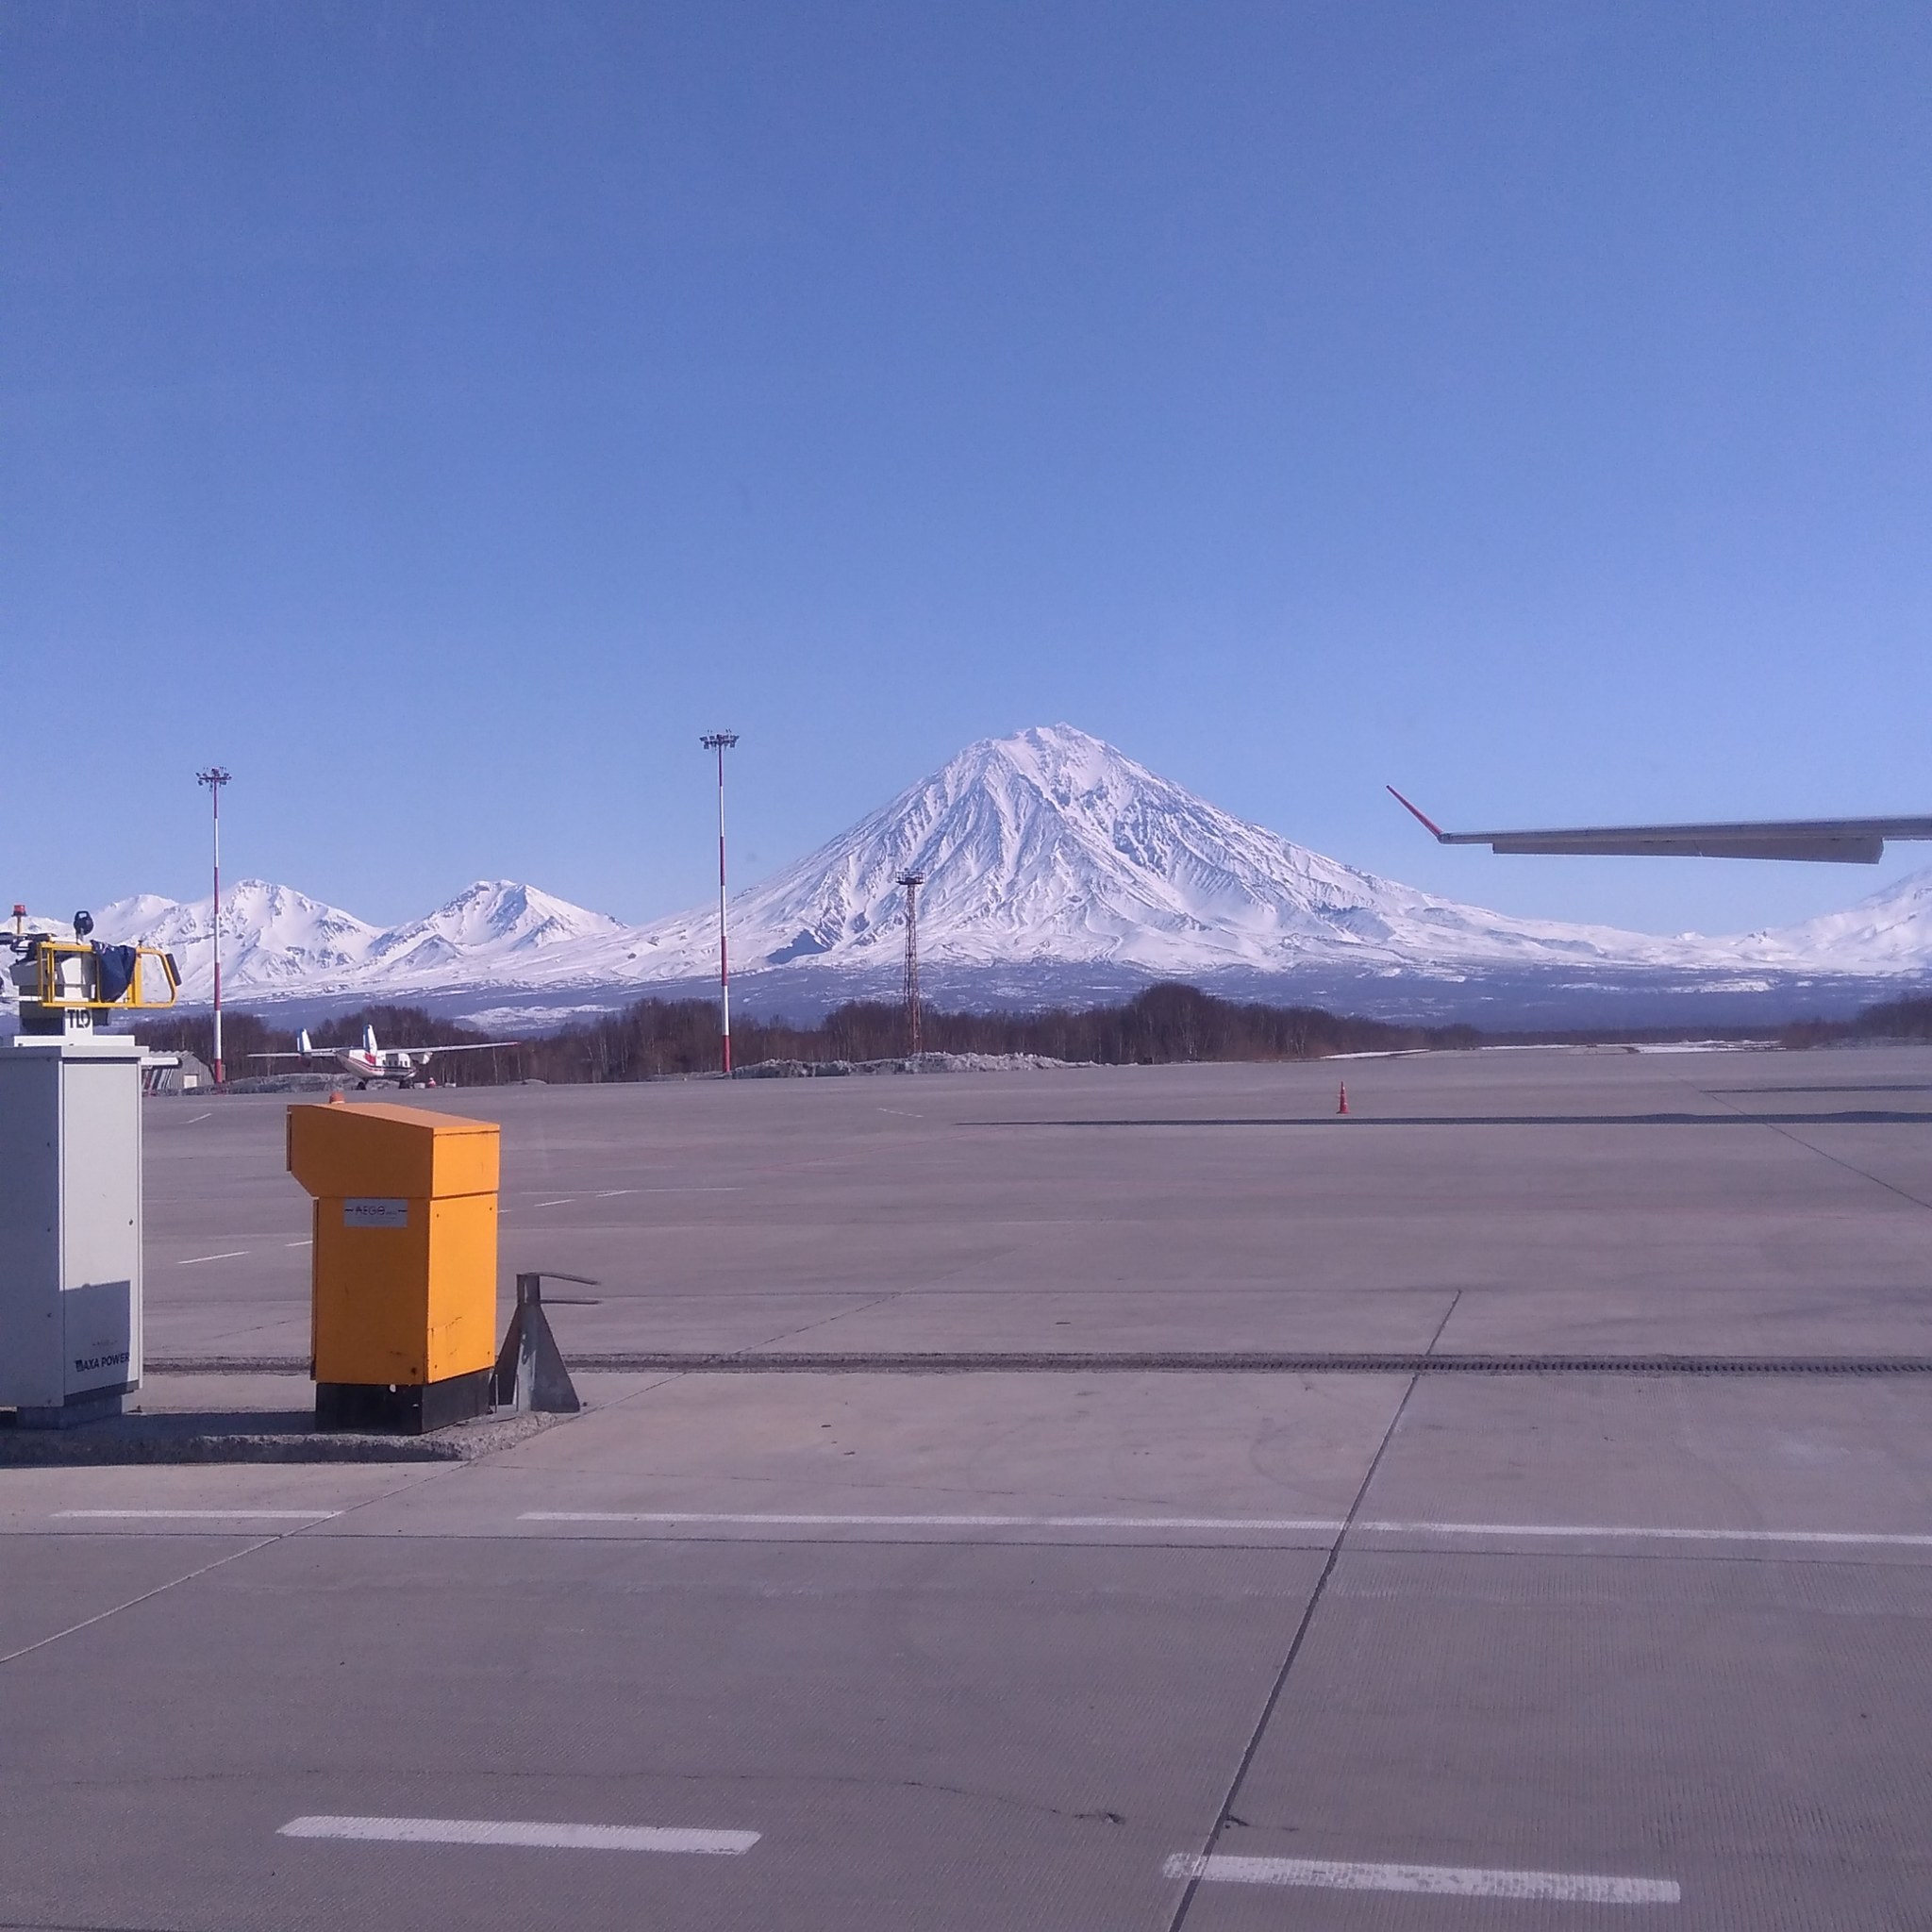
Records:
x=70, y=1226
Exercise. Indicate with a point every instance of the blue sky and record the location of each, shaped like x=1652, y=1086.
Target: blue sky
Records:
x=440, y=414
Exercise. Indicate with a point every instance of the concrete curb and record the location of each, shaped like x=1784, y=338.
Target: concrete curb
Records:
x=267, y=1436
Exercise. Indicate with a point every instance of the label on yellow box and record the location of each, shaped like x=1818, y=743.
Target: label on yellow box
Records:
x=372, y=1212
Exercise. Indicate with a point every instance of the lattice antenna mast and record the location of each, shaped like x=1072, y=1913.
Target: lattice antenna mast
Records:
x=722, y=741
x=913, y=881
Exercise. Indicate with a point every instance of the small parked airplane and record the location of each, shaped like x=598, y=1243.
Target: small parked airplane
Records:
x=1847, y=842
x=404, y=1064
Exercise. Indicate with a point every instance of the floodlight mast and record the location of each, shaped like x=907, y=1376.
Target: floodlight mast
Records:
x=214, y=778
x=913, y=881
x=722, y=741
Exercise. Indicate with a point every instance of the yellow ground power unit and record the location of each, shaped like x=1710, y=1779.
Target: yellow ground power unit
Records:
x=404, y=1298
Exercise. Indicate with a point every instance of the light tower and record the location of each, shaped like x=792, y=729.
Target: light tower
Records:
x=214, y=778
x=722, y=741
x=913, y=881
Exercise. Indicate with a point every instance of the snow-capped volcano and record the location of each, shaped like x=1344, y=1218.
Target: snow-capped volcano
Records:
x=1890, y=932
x=495, y=923
x=271, y=937
x=1053, y=846
x=1056, y=868
x=275, y=942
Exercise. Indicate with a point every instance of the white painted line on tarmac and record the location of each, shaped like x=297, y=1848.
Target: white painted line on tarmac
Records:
x=759, y=1519
x=309, y=1244
x=195, y=1260
x=1442, y=1881
x=507, y=1831
x=1584, y=1532
x=612, y=1194
x=568, y=1201
x=201, y=1515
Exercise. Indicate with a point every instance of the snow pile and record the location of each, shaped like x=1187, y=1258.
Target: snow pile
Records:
x=910, y=1063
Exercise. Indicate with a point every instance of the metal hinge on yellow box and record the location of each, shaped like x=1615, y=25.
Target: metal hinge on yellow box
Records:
x=403, y=1303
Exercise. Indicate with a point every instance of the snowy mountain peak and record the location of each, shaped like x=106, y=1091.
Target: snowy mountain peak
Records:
x=271, y=936
x=1050, y=859
x=493, y=919
x=1066, y=763
x=122, y=919
x=276, y=940
x=1052, y=845
x=1890, y=931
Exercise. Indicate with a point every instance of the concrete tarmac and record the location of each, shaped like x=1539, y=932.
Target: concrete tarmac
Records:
x=1202, y=1648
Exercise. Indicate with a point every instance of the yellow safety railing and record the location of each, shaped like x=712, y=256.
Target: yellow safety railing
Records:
x=50, y=953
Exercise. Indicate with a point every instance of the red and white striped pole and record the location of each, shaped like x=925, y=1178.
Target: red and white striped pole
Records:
x=722, y=741
x=214, y=778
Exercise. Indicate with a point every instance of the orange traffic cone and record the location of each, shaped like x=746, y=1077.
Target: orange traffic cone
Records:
x=1341, y=1105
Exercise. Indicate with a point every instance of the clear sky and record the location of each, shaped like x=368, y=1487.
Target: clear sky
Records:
x=440, y=414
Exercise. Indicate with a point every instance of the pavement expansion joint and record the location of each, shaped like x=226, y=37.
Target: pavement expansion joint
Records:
x=1186, y=1361
x=1140, y=1362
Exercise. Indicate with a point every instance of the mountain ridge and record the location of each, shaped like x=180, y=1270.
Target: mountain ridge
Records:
x=1053, y=860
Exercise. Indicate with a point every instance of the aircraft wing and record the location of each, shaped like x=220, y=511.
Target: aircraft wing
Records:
x=296, y=1055
x=470, y=1046
x=1845, y=842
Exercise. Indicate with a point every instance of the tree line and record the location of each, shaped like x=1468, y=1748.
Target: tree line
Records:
x=1907, y=1019
x=657, y=1039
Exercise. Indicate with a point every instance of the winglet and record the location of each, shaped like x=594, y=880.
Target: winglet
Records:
x=1432, y=826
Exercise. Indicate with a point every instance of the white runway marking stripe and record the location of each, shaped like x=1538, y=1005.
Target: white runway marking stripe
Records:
x=1583, y=1532
x=1324, y=1526
x=1442, y=1881
x=195, y=1260
x=534, y=1834
x=206, y=1515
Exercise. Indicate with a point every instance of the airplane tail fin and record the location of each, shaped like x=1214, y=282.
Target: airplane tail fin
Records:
x=369, y=1040
x=303, y=1042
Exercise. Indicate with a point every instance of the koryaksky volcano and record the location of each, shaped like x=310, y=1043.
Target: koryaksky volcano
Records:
x=1058, y=871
